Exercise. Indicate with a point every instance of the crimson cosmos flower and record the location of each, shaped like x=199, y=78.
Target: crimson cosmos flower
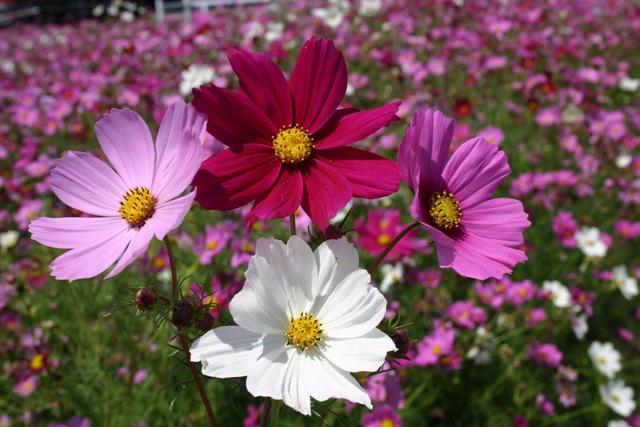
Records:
x=287, y=140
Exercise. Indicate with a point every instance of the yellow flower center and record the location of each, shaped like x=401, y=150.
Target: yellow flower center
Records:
x=293, y=145
x=384, y=239
x=138, y=206
x=304, y=331
x=37, y=362
x=212, y=245
x=444, y=210
x=387, y=422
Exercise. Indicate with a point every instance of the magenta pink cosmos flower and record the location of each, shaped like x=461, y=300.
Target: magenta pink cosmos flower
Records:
x=475, y=235
x=288, y=141
x=137, y=199
x=380, y=228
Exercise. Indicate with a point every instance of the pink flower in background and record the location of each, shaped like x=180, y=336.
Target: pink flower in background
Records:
x=214, y=240
x=546, y=354
x=382, y=416
x=475, y=235
x=520, y=292
x=379, y=229
x=288, y=140
x=565, y=227
x=437, y=349
x=253, y=416
x=139, y=199
x=25, y=386
x=466, y=315
x=492, y=135
x=218, y=298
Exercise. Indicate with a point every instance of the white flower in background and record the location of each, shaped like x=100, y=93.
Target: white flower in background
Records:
x=623, y=161
x=391, y=274
x=589, y=240
x=306, y=319
x=605, y=358
x=98, y=10
x=274, y=31
x=618, y=423
x=196, y=75
x=628, y=84
x=333, y=14
x=127, y=16
x=560, y=295
x=580, y=326
x=484, y=344
x=370, y=7
x=9, y=239
x=617, y=396
x=628, y=285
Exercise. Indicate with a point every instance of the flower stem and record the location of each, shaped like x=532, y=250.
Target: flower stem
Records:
x=270, y=413
x=390, y=246
x=184, y=343
x=292, y=224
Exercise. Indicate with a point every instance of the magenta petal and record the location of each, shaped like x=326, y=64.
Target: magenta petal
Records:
x=370, y=175
x=282, y=200
x=86, y=183
x=318, y=83
x=474, y=171
x=179, y=150
x=445, y=246
x=326, y=191
x=353, y=127
x=89, y=261
x=233, y=118
x=125, y=139
x=228, y=180
x=422, y=155
x=493, y=231
x=263, y=82
x=72, y=232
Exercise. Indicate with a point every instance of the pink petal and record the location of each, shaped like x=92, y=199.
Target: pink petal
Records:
x=282, y=200
x=86, y=183
x=344, y=129
x=474, y=171
x=125, y=139
x=169, y=215
x=318, y=83
x=72, y=232
x=228, y=180
x=138, y=246
x=445, y=246
x=233, y=118
x=179, y=150
x=89, y=261
x=493, y=230
x=263, y=82
x=422, y=155
x=371, y=176
x=326, y=191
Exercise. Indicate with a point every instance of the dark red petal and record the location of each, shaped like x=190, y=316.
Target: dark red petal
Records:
x=263, y=82
x=371, y=176
x=283, y=199
x=346, y=129
x=228, y=180
x=318, y=83
x=232, y=118
x=326, y=191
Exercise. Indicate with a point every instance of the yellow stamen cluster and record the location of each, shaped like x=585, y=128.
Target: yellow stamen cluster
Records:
x=138, y=206
x=304, y=331
x=384, y=239
x=444, y=210
x=293, y=144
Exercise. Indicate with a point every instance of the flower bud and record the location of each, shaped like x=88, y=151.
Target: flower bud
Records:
x=146, y=299
x=183, y=313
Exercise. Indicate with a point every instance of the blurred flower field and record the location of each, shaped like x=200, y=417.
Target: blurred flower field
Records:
x=554, y=85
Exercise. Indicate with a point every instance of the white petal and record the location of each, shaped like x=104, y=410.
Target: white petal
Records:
x=227, y=351
x=294, y=392
x=365, y=353
x=323, y=380
x=353, y=308
x=335, y=260
x=267, y=376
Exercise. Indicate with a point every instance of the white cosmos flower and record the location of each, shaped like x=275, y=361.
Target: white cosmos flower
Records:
x=391, y=274
x=605, y=358
x=617, y=396
x=560, y=295
x=628, y=84
x=305, y=320
x=369, y=7
x=194, y=76
x=580, y=326
x=9, y=239
x=623, y=161
x=618, y=423
x=589, y=240
x=332, y=15
x=628, y=285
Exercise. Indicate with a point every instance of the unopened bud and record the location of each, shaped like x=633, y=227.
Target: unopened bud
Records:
x=146, y=299
x=183, y=314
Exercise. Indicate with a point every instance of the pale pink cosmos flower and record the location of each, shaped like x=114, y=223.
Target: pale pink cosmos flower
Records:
x=138, y=197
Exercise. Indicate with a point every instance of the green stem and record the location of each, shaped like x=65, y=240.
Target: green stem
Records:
x=184, y=343
x=270, y=413
x=292, y=224
x=390, y=246
x=275, y=412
